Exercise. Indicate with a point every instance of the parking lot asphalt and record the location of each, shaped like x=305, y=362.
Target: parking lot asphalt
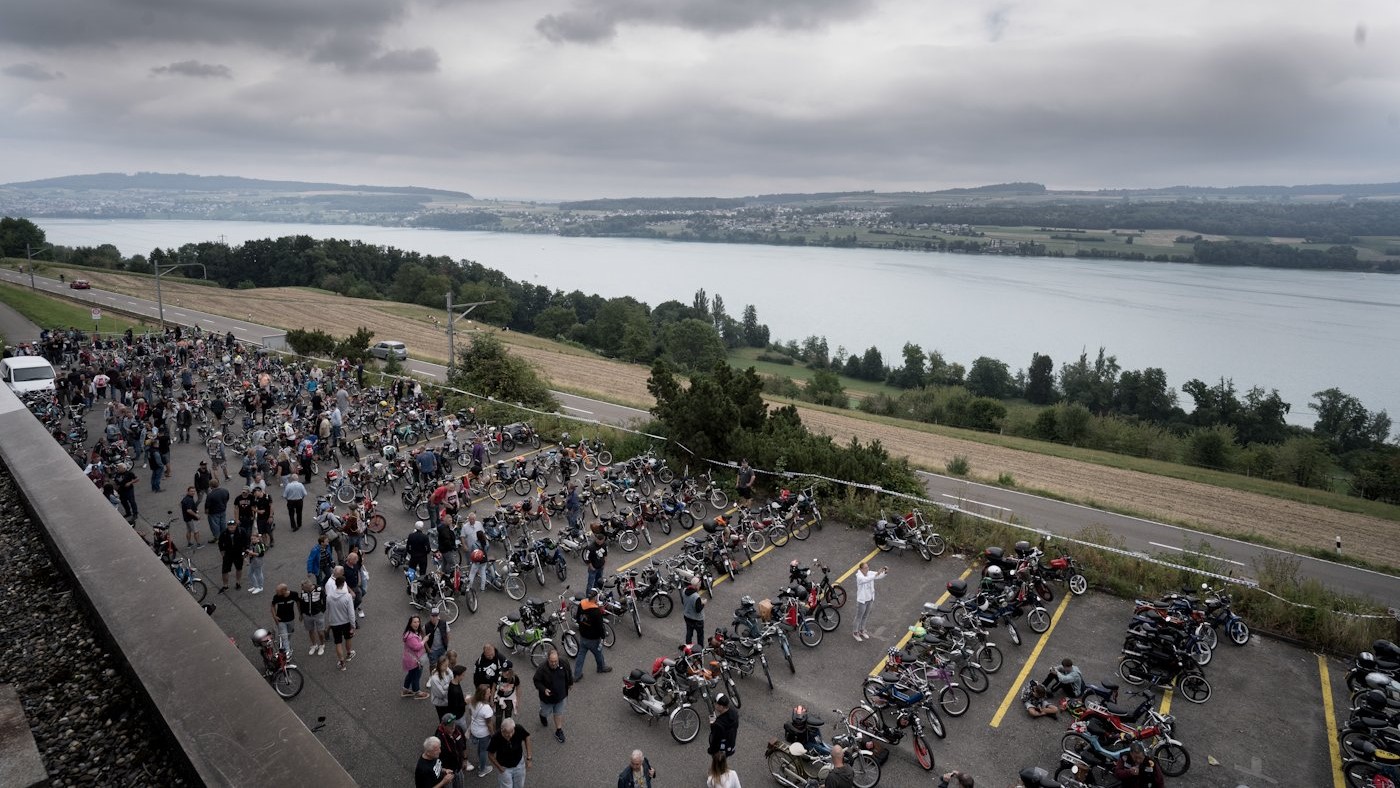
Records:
x=1264, y=724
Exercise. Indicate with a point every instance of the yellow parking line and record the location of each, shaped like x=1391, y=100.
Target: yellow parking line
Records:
x=1331, y=719
x=853, y=569
x=1167, y=700
x=904, y=640
x=765, y=551
x=1015, y=689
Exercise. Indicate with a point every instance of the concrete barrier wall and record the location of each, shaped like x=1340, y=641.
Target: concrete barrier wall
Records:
x=232, y=727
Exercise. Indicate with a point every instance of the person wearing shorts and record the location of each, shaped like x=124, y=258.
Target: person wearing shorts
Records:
x=340, y=615
x=311, y=606
x=233, y=543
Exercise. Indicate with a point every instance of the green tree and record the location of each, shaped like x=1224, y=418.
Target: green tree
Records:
x=1040, y=388
x=486, y=368
x=755, y=333
x=1212, y=447
x=1145, y=394
x=718, y=315
x=872, y=365
x=605, y=330
x=692, y=345
x=555, y=321
x=990, y=378
x=1345, y=423
x=355, y=347
x=701, y=304
x=825, y=389
x=1090, y=385
x=912, y=373
x=16, y=233
x=941, y=373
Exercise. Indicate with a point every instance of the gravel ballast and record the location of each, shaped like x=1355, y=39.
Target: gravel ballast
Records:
x=91, y=721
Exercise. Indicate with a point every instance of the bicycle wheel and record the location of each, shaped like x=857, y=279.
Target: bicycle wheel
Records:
x=866, y=769
x=864, y=719
x=627, y=540
x=1200, y=653
x=539, y=572
x=664, y=523
x=590, y=463
x=777, y=534
x=376, y=523
x=1132, y=670
x=569, y=641
x=809, y=633
x=287, y=682
x=646, y=534
x=766, y=675
x=1209, y=636
x=471, y=598
x=661, y=605
x=1238, y=632
x=197, y=589
x=1359, y=774
x=1173, y=758
x=937, y=545
x=687, y=520
x=609, y=636
x=990, y=658
x=719, y=499
x=732, y=690
x=409, y=498
x=539, y=651
x=507, y=443
x=787, y=655
x=836, y=596
x=954, y=700
x=1013, y=632
x=973, y=678
x=522, y=486
x=368, y=542
x=561, y=570
x=636, y=618
x=696, y=508
x=934, y=720
x=802, y=530
x=828, y=618
x=685, y=724
x=450, y=611
x=515, y=587
x=923, y=753
x=924, y=552
x=496, y=490
x=423, y=511
x=1078, y=584
x=1194, y=688
x=345, y=493
x=1039, y=619
x=755, y=541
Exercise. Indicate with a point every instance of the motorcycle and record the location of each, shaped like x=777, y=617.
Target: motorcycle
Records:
x=803, y=759
x=898, y=536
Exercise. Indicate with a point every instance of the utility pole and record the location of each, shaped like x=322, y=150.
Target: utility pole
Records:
x=160, y=301
x=29, y=255
x=452, y=318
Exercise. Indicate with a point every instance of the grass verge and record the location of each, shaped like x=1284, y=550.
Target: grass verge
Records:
x=49, y=312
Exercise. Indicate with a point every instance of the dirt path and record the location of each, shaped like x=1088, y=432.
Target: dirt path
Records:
x=1214, y=508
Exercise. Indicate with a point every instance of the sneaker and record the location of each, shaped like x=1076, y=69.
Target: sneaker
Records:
x=605, y=669
x=321, y=650
x=466, y=767
x=257, y=590
x=406, y=694
x=559, y=734
x=237, y=586
x=352, y=655
x=484, y=771
x=362, y=614
x=544, y=722
x=578, y=678
x=311, y=652
x=856, y=635
x=341, y=664
x=222, y=589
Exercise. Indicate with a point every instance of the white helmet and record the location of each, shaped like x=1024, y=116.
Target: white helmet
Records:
x=797, y=750
x=994, y=572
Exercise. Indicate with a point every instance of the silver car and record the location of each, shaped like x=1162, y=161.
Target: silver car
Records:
x=383, y=350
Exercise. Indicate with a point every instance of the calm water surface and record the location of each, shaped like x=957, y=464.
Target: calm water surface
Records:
x=1296, y=331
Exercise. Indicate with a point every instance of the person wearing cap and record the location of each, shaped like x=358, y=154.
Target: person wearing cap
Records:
x=591, y=633
x=454, y=744
x=189, y=512
x=595, y=555
x=724, y=728
x=419, y=546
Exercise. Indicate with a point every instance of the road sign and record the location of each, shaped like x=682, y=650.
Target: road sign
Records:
x=96, y=314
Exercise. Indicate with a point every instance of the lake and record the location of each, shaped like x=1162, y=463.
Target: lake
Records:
x=1297, y=331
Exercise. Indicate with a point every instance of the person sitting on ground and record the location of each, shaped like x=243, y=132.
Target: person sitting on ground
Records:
x=956, y=779
x=1037, y=700
x=1066, y=678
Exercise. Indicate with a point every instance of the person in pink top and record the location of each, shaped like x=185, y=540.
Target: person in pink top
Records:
x=415, y=657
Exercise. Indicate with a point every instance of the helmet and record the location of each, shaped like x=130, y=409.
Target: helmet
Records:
x=1374, y=700
x=994, y=573
x=746, y=601
x=799, y=716
x=478, y=556
x=261, y=637
x=384, y=403
x=159, y=527
x=420, y=525
x=792, y=565
x=388, y=451
x=564, y=438
x=918, y=630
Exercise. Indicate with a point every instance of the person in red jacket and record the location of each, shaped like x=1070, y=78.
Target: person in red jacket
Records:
x=1136, y=770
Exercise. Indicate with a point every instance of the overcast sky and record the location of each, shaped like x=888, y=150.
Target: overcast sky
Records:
x=554, y=99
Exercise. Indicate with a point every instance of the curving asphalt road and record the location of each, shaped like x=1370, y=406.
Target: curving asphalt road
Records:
x=1056, y=517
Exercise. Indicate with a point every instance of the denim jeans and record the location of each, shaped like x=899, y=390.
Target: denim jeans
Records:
x=482, y=760
x=217, y=523
x=514, y=777
x=157, y=470
x=414, y=679
x=255, y=571
x=584, y=647
x=594, y=579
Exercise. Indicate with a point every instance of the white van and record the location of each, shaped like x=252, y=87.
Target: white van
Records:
x=24, y=374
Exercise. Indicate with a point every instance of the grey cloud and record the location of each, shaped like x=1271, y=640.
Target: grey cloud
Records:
x=32, y=71
x=361, y=54
x=194, y=68
x=592, y=21
x=997, y=21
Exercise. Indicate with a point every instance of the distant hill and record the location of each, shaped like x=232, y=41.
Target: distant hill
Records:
x=181, y=182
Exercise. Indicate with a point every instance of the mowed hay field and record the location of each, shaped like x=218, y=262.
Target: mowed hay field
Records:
x=1213, y=508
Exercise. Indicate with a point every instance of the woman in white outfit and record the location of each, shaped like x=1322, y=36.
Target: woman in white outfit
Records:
x=865, y=595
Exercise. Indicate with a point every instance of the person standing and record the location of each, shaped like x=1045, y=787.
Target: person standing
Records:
x=430, y=773
x=125, y=482
x=202, y=477
x=189, y=512
x=255, y=552
x=457, y=692
x=216, y=508
x=638, y=774
x=724, y=728
x=596, y=557
x=311, y=607
x=454, y=746
x=488, y=666
x=573, y=507
x=415, y=658
x=447, y=544
x=262, y=515
x=591, y=633
x=435, y=635
x=419, y=546
x=482, y=725
x=693, y=611
x=438, y=682
x=720, y=775
x=865, y=596
x=233, y=544
x=340, y=615
x=284, y=616
x=841, y=774
x=553, y=681
x=511, y=754
x=743, y=486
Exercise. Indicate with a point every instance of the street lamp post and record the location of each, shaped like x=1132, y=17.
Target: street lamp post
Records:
x=452, y=318
x=160, y=302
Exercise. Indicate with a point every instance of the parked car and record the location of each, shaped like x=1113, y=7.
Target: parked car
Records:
x=383, y=350
x=24, y=374
x=80, y=284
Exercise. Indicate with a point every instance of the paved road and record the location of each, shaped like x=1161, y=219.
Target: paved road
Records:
x=1058, y=517
x=15, y=327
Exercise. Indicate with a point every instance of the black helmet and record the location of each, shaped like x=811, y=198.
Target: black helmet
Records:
x=799, y=716
x=746, y=601
x=1374, y=700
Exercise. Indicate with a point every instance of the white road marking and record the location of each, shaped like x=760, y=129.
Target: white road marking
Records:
x=576, y=410
x=977, y=503
x=1195, y=552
